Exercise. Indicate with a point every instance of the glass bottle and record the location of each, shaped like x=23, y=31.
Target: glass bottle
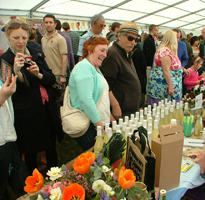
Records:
x=177, y=114
x=105, y=135
x=144, y=124
x=181, y=113
x=114, y=124
x=126, y=119
x=155, y=132
x=197, y=127
x=99, y=140
x=166, y=116
x=132, y=116
x=137, y=115
x=145, y=112
x=153, y=115
x=162, y=194
x=162, y=120
x=171, y=113
x=120, y=123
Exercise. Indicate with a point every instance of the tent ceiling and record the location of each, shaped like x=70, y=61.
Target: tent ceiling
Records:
x=186, y=14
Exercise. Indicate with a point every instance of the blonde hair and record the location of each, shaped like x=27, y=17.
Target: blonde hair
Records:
x=8, y=30
x=144, y=36
x=169, y=40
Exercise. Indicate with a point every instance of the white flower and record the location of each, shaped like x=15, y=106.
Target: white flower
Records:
x=39, y=197
x=112, y=193
x=97, y=185
x=54, y=173
x=105, y=169
x=107, y=189
x=111, y=174
x=55, y=194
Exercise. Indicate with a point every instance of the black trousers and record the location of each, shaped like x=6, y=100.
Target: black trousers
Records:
x=51, y=159
x=5, y=159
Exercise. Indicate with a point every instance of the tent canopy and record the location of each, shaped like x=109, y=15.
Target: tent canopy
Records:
x=184, y=14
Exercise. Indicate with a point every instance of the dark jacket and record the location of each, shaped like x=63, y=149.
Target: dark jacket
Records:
x=36, y=124
x=201, y=49
x=120, y=73
x=149, y=50
x=189, y=51
x=140, y=66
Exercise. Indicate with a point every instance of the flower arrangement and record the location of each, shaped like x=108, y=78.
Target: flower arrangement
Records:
x=92, y=178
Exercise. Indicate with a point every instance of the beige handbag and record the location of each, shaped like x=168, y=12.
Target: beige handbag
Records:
x=74, y=121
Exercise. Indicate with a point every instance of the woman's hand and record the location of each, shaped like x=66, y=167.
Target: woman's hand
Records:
x=171, y=90
x=7, y=89
x=116, y=112
x=187, y=72
x=19, y=62
x=34, y=69
x=201, y=162
x=203, y=74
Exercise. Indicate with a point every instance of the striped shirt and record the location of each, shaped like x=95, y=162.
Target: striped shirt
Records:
x=82, y=40
x=75, y=37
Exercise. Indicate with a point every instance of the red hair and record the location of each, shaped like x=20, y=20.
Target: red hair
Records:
x=91, y=43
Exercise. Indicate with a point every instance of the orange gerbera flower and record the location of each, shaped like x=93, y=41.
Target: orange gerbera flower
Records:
x=81, y=165
x=74, y=192
x=34, y=183
x=90, y=156
x=126, y=178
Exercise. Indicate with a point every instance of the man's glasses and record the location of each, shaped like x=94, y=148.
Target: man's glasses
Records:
x=17, y=25
x=102, y=25
x=131, y=38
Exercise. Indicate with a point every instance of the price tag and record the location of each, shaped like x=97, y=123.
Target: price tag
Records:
x=198, y=101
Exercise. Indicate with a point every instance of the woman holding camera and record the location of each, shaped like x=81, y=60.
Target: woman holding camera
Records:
x=36, y=120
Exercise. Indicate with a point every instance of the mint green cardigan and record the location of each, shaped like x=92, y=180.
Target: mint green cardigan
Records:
x=86, y=88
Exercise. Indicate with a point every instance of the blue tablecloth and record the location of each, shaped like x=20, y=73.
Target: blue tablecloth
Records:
x=188, y=180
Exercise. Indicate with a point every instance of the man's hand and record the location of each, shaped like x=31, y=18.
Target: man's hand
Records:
x=34, y=69
x=116, y=112
x=62, y=80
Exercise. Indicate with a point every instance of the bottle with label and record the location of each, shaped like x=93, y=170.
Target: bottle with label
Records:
x=155, y=132
x=162, y=194
x=177, y=113
x=186, y=107
x=149, y=108
x=197, y=127
x=99, y=140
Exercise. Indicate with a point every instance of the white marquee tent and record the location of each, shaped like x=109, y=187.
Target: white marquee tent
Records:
x=184, y=14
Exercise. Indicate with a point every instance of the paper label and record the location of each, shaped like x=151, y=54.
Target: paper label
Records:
x=198, y=101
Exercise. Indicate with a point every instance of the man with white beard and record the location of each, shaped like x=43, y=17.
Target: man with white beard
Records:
x=120, y=73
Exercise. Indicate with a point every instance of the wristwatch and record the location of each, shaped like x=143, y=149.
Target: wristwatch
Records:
x=64, y=76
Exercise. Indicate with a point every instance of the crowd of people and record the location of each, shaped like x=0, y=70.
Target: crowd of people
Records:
x=109, y=78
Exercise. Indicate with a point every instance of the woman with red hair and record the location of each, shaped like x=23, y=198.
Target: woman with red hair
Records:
x=88, y=87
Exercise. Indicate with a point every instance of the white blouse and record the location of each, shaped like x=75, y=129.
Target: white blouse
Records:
x=104, y=106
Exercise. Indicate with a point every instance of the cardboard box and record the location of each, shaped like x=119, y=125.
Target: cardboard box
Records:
x=168, y=150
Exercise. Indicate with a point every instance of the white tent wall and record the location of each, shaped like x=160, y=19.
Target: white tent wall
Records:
x=84, y=25
x=187, y=15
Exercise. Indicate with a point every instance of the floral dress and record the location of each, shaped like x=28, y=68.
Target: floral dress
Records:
x=157, y=85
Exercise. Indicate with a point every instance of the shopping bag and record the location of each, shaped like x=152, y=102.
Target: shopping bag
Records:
x=19, y=172
x=140, y=158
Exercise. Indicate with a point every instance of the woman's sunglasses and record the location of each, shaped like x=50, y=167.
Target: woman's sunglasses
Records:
x=93, y=37
x=17, y=25
x=131, y=38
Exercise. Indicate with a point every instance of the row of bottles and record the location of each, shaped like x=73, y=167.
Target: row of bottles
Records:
x=150, y=118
